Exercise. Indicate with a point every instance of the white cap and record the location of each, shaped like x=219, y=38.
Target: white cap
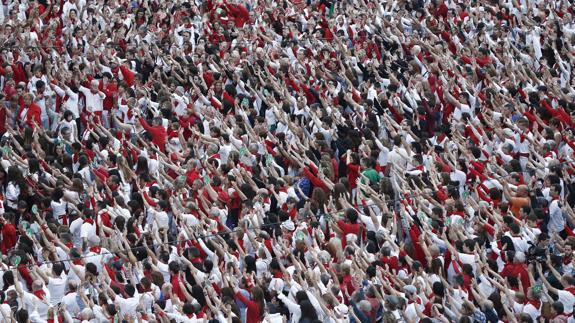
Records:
x=288, y=225
x=341, y=309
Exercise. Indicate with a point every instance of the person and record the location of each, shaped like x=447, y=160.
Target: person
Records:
x=157, y=131
x=30, y=114
x=255, y=305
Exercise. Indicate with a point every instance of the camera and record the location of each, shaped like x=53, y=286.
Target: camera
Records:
x=536, y=254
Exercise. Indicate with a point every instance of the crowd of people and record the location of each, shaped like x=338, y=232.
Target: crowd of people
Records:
x=287, y=161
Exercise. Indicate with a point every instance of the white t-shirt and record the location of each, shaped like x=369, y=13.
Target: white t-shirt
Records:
x=94, y=101
x=6, y=309
x=532, y=311
x=165, y=270
x=460, y=177
x=520, y=244
x=87, y=230
x=57, y=288
x=568, y=300
x=75, y=229
x=161, y=219
x=459, y=111
x=71, y=303
x=127, y=305
x=96, y=258
x=32, y=301
x=12, y=194
x=58, y=208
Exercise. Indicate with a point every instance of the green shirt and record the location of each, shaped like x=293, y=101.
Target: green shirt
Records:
x=372, y=174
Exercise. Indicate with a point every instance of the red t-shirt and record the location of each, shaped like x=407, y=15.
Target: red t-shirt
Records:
x=8, y=237
x=348, y=228
x=175, y=281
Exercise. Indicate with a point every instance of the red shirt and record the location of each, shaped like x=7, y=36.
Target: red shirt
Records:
x=175, y=281
x=8, y=237
x=348, y=228
x=111, y=90
x=2, y=120
x=518, y=271
x=254, y=313
x=352, y=175
x=34, y=114
x=159, y=134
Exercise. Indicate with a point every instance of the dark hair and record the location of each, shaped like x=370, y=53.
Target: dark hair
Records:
x=174, y=267
x=250, y=262
x=58, y=268
x=21, y=316
x=351, y=215
x=130, y=290
x=558, y=307
x=307, y=311
x=8, y=279
x=438, y=289
x=92, y=269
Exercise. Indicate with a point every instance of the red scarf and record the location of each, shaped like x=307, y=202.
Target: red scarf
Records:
x=535, y=302
x=571, y=290
x=96, y=249
x=40, y=294
x=91, y=221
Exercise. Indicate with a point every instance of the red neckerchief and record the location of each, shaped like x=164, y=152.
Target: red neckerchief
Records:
x=571, y=290
x=40, y=294
x=96, y=249
x=91, y=221
x=535, y=302
x=418, y=301
x=78, y=262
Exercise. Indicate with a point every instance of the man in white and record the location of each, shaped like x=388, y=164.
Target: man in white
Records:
x=56, y=282
x=87, y=232
x=94, y=99
x=556, y=219
x=38, y=299
x=127, y=305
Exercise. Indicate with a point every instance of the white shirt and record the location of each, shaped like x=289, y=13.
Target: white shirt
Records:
x=459, y=111
x=94, y=101
x=460, y=177
x=32, y=301
x=5, y=308
x=58, y=208
x=12, y=194
x=87, y=230
x=57, y=288
x=161, y=219
x=71, y=103
x=69, y=6
x=568, y=300
x=164, y=270
x=532, y=311
x=75, y=229
x=520, y=243
x=96, y=258
x=127, y=305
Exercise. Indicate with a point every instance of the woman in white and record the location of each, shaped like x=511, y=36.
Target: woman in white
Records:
x=16, y=183
x=58, y=205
